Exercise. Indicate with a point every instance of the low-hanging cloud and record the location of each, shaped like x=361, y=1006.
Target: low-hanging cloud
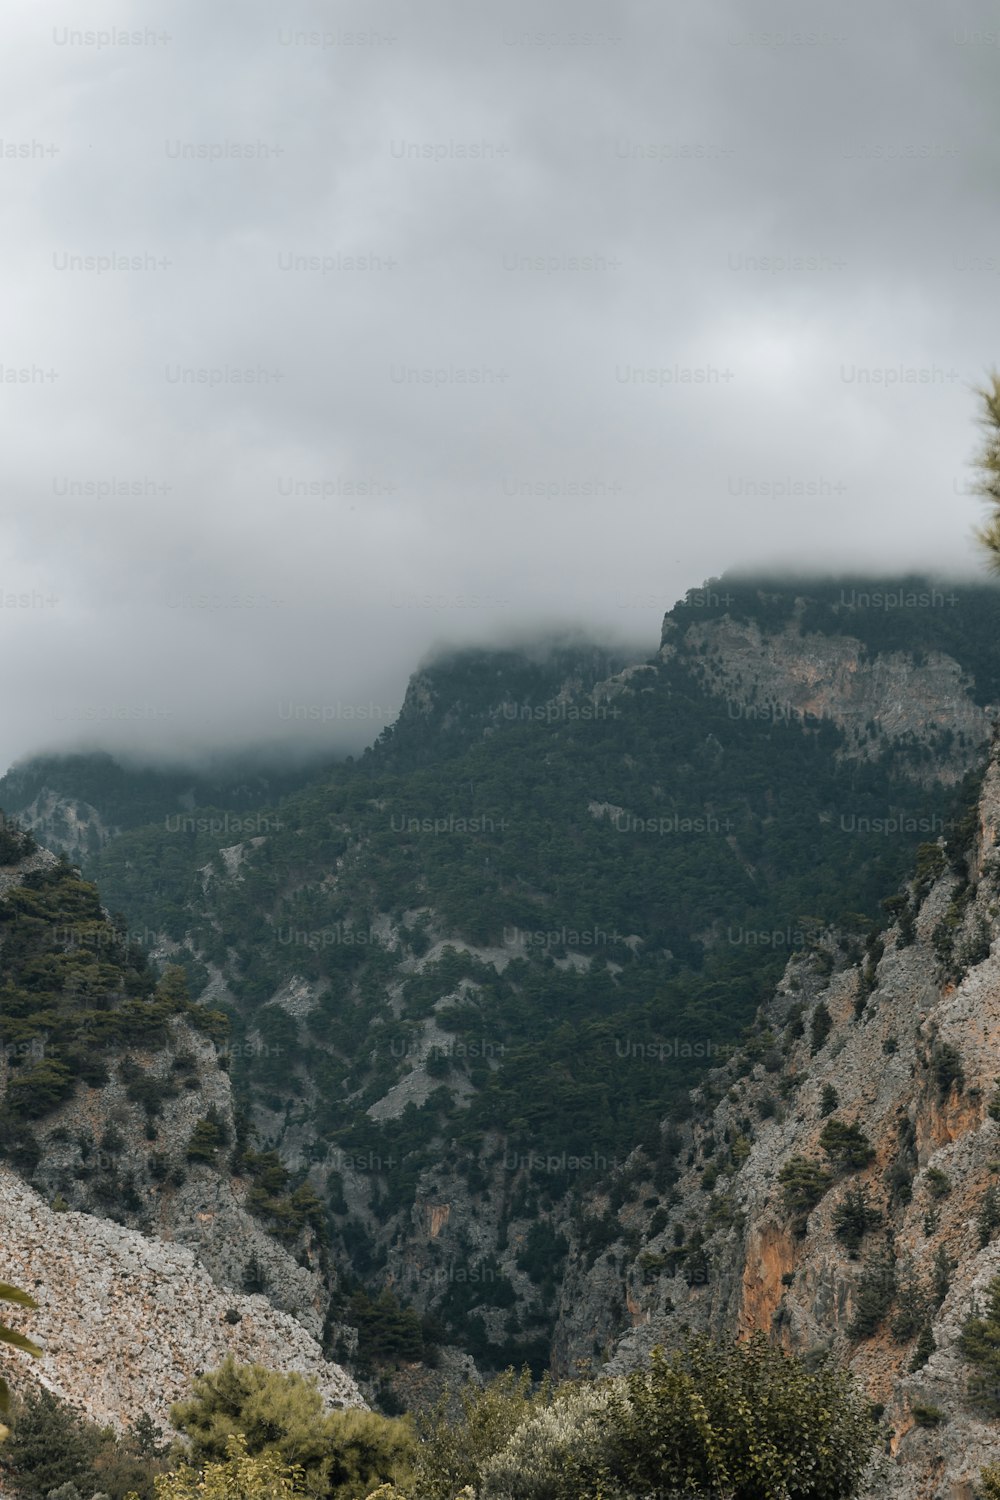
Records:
x=338, y=336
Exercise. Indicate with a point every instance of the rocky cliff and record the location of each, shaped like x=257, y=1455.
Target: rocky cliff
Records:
x=840, y=1176
x=139, y=1249
x=127, y=1321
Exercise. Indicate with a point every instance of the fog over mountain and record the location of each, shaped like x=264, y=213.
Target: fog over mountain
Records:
x=337, y=335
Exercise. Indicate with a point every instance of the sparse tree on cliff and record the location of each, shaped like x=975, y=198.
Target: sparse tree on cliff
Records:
x=988, y=464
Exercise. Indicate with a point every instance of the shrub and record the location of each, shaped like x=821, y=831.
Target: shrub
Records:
x=847, y=1146
x=282, y=1414
x=988, y=1218
x=207, y=1137
x=938, y=1182
x=912, y=1306
x=979, y=1342
x=820, y=1026
x=560, y=1452
x=51, y=1447
x=745, y=1419
x=923, y=1349
x=454, y=1449
x=873, y=1297
x=803, y=1184
x=946, y=1061
x=926, y=1415
x=240, y=1476
x=852, y=1219
x=828, y=1100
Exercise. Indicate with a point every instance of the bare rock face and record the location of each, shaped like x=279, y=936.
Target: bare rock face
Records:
x=782, y=676
x=99, y=1152
x=138, y=1255
x=127, y=1322
x=912, y=1057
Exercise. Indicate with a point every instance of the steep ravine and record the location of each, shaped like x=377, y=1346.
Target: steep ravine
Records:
x=913, y=1055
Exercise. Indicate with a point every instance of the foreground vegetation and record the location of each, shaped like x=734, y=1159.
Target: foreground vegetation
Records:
x=742, y=1420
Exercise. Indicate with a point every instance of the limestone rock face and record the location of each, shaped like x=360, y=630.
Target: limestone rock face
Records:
x=126, y=1322
x=913, y=1058
x=788, y=676
x=137, y=1254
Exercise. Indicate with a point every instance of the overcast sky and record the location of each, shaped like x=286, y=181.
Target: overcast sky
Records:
x=447, y=246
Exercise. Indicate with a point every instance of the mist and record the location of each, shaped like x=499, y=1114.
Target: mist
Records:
x=335, y=343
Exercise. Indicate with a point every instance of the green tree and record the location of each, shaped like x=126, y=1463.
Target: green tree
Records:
x=803, y=1184
x=338, y=1452
x=240, y=1476
x=853, y=1218
x=454, y=1447
x=988, y=464
x=979, y=1341
x=847, y=1146
x=742, y=1419
x=50, y=1445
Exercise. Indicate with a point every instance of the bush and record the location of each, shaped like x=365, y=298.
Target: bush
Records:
x=828, y=1100
x=979, y=1342
x=873, y=1298
x=926, y=1415
x=51, y=1447
x=923, y=1349
x=847, y=1146
x=339, y=1452
x=946, y=1061
x=989, y=1478
x=240, y=1476
x=561, y=1452
x=742, y=1418
x=820, y=1026
x=803, y=1184
x=988, y=1217
x=454, y=1450
x=852, y=1219
x=938, y=1182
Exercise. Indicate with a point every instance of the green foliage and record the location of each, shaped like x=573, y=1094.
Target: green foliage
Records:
x=820, y=1026
x=829, y=1099
x=13, y=1340
x=979, y=1342
x=938, y=1183
x=853, y=1218
x=387, y=1332
x=941, y=1275
x=873, y=1297
x=989, y=1479
x=455, y=1448
x=51, y=1446
x=241, y=1475
x=946, y=1060
x=993, y=1108
x=913, y=1306
x=923, y=1349
x=926, y=1415
x=744, y=1418
x=803, y=1184
x=207, y=1138
x=847, y=1146
x=988, y=1217
x=342, y=1454
x=72, y=990
x=988, y=464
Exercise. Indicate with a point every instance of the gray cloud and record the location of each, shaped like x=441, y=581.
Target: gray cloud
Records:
x=441, y=326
